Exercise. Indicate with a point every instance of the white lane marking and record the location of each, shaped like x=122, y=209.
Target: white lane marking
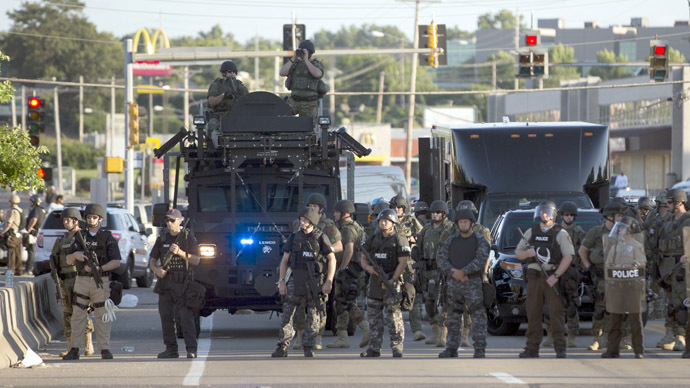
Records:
x=506, y=378
x=196, y=370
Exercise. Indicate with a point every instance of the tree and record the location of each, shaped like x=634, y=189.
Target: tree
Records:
x=675, y=56
x=19, y=160
x=457, y=33
x=610, y=72
x=561, y=54
x=503, y=20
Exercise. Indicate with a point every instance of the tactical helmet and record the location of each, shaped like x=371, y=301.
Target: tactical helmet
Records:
x=611, y=209
x=625, y=224
x=381, y=206
x=94, y=209
x=421, y=206
x=398, y=200
x=388, y=214
x=345, y=206
x=645, y=203
x=678, y=195
x=464, y=214
x=311, y=215
x=439, y=206
x=228, y=66
x=14, y=198
x=71, y=212
x=568, y=207
x=307, y=44
x=317, y=199
x=36, y=200
x=545, y=206
x=661, y=198
x=467, y=204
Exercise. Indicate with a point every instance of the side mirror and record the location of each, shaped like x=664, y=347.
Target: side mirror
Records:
x=148, y=232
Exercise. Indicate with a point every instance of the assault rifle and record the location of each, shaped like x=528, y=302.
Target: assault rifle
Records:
x=55, y=274
x=670, y=272
x=440, y=289
x=382, y=276
x=91, y=260
x=546, y=275
x=314, y=289
x=169, y=255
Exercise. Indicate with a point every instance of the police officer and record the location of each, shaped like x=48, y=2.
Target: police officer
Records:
x=304, y=79
x=310, y=255
x=392, y=252
x=428, y=243
x=34, y=221
x=479, y=229
x=86, y=291
x=347, y=276
x=179, y=249
x=373, y=226
x=65, y=275
x=549, y=255
x=653, y=224
x=462, y=257
x=317, y=202
x=671, y=251
x=222, y=95
x=626, y=291
x=421, y=211
x=644, y=206
x=570, y=281
x=13, y=219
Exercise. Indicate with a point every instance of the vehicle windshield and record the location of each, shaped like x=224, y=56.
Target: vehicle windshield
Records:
x=524, y=221
x=495, y=205
x=278, y=198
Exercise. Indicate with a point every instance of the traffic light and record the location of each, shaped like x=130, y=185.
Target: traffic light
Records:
x=300, y=35
x=435, y=35
x=533, y=61
x=432, y=42
x=524, y=64
x=133, y=124
x=540, y=63
x=46, y=173
x=34, y=119
x=658, y=60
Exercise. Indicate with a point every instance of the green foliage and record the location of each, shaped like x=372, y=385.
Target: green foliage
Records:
x=505, y=70
x=457, y=33
x=502, y=20
x=606, y=73
x=561, y=54
x=675, y=56
x=74, y=154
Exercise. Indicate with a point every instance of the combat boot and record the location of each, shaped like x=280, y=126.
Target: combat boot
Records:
x=465, y=338
x=434, y=339
x=342, y=341
x=595, y=344
x=448, y=353
x=479, y=353
x=88, y=344
x=686, y=354
x=626, y=342
x=308, y=351
x=169, y=352
x=571, y=340
x=608, y=354
x=73, y=354
x=298, y=340
x=317, y=345
x=668, y=341
x=371, y=353
x=69, y=346
x=418, y=335
x=281, y=351
x=366, y=334
x=548, y=340
x=560, y=353
x=443, y=332
x=680, y=343
x=529, y=354
x=106, y=355
x=397, y=353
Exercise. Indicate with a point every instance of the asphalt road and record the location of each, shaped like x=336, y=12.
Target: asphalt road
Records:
x=234, y=350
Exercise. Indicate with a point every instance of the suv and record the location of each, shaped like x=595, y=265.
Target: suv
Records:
x=143, y=213
x=130, y=235
x=506, y=271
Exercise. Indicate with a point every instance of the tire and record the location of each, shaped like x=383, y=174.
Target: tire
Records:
x=126, y=277
x=499, y=327
x=145, y=280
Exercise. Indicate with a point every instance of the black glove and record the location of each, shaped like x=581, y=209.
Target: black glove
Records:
x=228, y=94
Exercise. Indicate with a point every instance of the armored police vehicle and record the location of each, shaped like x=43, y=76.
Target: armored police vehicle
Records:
x=245, y=187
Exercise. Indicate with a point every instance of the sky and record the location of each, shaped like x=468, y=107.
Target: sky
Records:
x=248, y=18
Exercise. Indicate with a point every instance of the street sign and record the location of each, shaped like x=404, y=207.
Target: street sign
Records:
x=138, y=159
x=151, y=68
x=149, y=89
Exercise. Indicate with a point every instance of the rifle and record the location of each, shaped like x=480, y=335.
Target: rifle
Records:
x=555, y=289
x=314, y=289
x=169, y=255
x=91, y=260
x=382, y=276
x=440, y=289
x=670, y=272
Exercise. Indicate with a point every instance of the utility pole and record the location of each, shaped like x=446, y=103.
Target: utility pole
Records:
x=410, y=111
x=379, y=105
x=517, y=43
x=58, y=136
x=81, y=108
x=256, y=64
x=129, y=159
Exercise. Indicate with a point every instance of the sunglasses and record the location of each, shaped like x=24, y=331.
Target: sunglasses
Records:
x=437, y=212
x=569, y=215
x=170, y=220
x=400, y=206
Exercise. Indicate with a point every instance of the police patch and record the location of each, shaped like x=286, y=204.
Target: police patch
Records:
x=626, y=273
x=406, y=249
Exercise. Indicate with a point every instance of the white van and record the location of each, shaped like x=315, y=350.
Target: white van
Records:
x=372, y=182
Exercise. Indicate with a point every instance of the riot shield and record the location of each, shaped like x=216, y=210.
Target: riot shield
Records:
x=624, y=275
x=686, y=247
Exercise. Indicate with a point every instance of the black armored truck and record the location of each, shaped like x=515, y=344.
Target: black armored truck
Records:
x=245, y=188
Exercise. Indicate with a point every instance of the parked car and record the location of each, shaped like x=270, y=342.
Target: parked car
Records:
x=506, y=272
x=143, y=213
x=131, y=236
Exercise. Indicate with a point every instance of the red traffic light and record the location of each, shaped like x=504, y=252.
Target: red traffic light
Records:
x=659, y=50
x=35, y=102
x=41, y=173
x=531, y=40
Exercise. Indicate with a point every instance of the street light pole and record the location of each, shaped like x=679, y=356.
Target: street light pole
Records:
x=410, y=111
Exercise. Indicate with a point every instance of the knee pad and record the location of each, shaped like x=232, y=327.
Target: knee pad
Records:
x=599, y=312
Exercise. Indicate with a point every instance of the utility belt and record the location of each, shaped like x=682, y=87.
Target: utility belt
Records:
x=67, y=275
x=305, y=99
x=538, y=267
x=90, y=275
x=177, y=276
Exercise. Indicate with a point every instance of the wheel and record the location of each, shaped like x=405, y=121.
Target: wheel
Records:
x=145, y=280
x=498, y=326
x=126, y=277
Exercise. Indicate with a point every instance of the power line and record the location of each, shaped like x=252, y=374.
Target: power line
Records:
x=64, y=38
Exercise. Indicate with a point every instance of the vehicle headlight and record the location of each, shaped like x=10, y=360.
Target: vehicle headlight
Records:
x=513, y=269
x=207, y=251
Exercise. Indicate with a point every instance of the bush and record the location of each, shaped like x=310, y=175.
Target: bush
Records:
x=74, y=154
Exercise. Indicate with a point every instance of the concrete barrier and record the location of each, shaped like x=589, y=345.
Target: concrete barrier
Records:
x=30, y=317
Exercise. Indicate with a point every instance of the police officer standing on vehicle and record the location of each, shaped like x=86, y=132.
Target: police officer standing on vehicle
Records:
x=428, y=243
x=626, y=290
x=392, y=252
x=34, y=221
x=349, y=271
x=548, y=255
x=180, y=252
x=304, y=78
x=66, y=275
x=222, y=95
x=86, y=291
x=309, y=254
x=462, y=258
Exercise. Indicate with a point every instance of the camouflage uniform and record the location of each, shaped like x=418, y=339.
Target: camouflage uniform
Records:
x=457, y=253
x=347, y=310
x=218, y=87
x=408, y=227
x=304, y=99
x=429, y=241
x=594, y=243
